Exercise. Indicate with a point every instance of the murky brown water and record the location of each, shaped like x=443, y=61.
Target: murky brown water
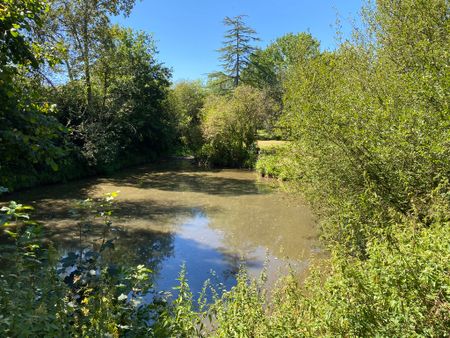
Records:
x=173, y=213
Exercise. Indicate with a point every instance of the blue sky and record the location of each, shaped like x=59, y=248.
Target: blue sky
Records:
x=188, y=32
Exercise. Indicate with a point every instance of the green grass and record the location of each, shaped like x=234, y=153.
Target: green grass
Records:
x=268, y=144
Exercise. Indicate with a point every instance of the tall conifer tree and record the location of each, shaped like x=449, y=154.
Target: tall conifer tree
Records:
x=237, y=47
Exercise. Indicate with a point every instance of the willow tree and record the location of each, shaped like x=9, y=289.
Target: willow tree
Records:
x=237, y=48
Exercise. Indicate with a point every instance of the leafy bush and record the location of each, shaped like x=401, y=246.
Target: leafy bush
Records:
x=229, y=126
x=186, y=99
x=278, y=162
x=401, y=289
x=370, y=122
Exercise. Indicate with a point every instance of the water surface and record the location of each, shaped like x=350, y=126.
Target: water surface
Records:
x=173, y=213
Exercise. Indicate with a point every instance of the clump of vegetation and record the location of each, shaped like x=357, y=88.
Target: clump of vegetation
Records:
x=78, y=294
x=401, y=289
x=229, y=126
x=278, y=161
x=28, y=129
x=186, y=100
x=370, y=122
x=110, y=112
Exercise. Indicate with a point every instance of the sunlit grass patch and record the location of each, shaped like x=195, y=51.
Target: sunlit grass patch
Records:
x=267, y=144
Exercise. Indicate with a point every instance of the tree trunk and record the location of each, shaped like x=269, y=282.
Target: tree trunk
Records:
x=87, y=68
x=236, y=77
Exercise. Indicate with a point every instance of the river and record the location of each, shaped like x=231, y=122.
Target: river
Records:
x=173, y=213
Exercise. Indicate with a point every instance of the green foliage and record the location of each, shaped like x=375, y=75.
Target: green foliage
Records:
x=15, y=18
x=371, y=124
x=398, y=290
x=269, y=67
x=401, y=289
x=240, y=311
x=278, y=162
x=128, y=120
x=77, y=295
x=186, y=100
x=82, y=26
x=28, y=130
x=109, y=111
x=117, y=117
x=129, y=90
x=229, y=126
x=370, y=129
x=181, y=317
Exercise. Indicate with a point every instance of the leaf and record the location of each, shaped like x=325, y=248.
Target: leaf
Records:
x=122, y=297
x=12, y=234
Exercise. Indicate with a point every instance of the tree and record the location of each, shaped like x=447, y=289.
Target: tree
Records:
x=129, y=89
x=80, y=25
x=268, y=67
x=30, y=137
x=186, y=100
x=229, y=126
x=237, y=48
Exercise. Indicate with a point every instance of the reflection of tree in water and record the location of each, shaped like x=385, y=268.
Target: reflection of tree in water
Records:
x=157, y=202
x=146, y=247
x=131, y=247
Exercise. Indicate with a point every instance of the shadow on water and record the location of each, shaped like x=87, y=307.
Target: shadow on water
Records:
x=175, y=181
x=185, y=176
x=63, y=219
x=173, y=176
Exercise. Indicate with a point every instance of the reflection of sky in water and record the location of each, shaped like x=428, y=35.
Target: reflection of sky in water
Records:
x=198, y=247
x=202, y=250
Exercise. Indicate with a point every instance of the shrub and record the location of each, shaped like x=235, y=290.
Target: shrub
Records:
x=186, y=99
x=371, y=122
x=229, y=127
x=278, y=162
